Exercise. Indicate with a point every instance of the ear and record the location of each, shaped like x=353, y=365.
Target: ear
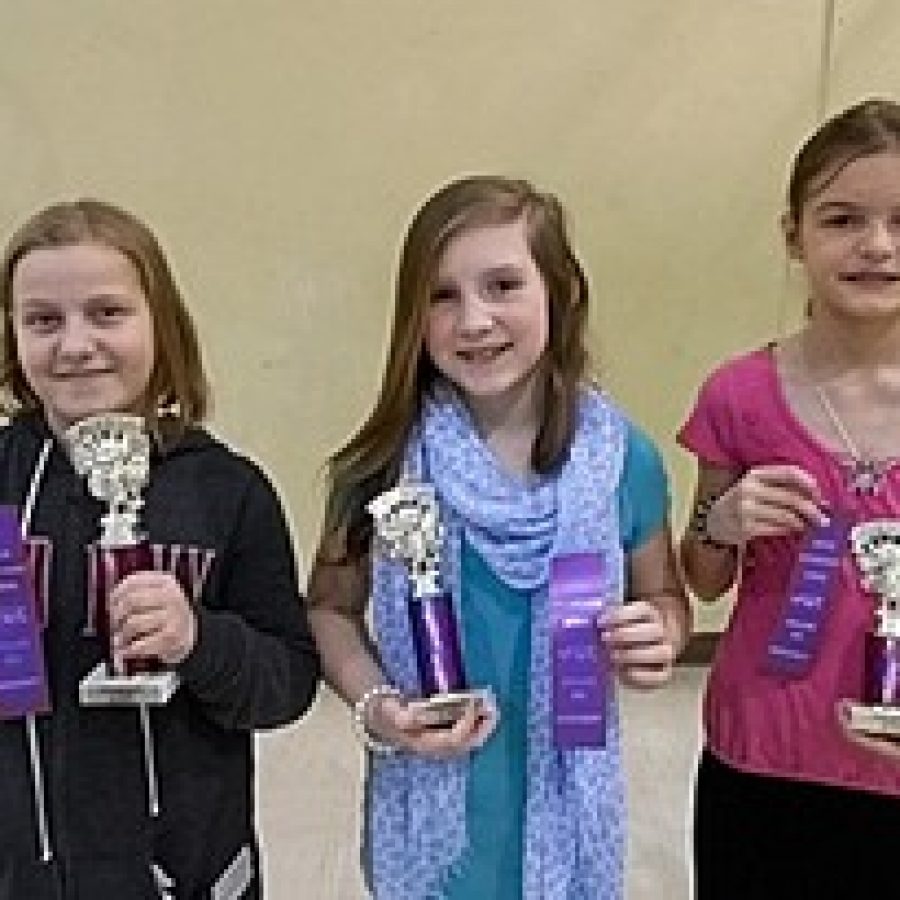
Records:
x=791, y=231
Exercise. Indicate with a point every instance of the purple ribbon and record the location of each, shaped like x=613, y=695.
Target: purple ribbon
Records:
x=794, y=644
x=23, y=675
x=580, y=662
x=436, y=639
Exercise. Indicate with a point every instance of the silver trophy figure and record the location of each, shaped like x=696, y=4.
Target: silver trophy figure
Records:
x=112, y=452
x=408, y=528
x=876, y=548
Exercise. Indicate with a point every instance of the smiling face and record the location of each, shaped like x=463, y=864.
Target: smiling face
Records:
x=83, y=331
x=488, y=322
x=848, y=238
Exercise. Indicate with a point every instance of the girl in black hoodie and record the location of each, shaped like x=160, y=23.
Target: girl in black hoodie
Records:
x=94, y=323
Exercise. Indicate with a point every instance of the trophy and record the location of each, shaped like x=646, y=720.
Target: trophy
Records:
x=876, y=548
x=408, y=529
x=112, y=452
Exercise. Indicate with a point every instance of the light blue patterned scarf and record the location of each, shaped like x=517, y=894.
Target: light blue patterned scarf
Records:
x=575, y=810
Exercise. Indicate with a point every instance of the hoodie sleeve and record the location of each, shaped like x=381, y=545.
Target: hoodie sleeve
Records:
x=254, y=664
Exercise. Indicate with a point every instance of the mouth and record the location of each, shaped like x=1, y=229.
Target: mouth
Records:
x=873, y=278
x=76, y=376
x=482, y=354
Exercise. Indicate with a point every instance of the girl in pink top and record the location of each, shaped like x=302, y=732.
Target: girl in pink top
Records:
x=797, y=439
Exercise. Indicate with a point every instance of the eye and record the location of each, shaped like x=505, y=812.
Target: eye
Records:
x=41, y=322
x=505, y=284
x=443, y=293
x=842, y=220
x=109, y=313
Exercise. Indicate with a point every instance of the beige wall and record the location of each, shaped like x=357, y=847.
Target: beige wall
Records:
x=279, y=146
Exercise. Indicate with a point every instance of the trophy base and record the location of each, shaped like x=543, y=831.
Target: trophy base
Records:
x=99, y=688
x=443, y=710
x=877, y=720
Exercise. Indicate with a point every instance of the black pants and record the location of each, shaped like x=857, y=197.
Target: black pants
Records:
x=763, y=838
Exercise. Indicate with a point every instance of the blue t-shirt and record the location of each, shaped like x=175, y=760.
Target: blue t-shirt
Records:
x=497, y=638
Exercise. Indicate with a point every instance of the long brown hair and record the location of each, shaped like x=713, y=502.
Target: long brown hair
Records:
x=178, y=383
x=371, y=460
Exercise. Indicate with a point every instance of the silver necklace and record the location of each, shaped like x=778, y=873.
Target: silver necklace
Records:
x=865, y=473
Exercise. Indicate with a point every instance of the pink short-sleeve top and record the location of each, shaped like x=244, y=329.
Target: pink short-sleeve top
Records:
x=754, y=720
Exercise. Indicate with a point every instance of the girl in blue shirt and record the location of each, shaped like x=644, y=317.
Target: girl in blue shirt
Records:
x=485, y=396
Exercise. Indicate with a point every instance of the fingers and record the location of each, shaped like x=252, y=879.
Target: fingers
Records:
x=640, y=648
x=403, y=726
x=467, y=733
x=766, y=501
x=646, y=678
x=137, y=626
x=787, y=497
x=794, y=478
x=635, y=624
x=151, y=617
x=885, y=746
x=773, y=514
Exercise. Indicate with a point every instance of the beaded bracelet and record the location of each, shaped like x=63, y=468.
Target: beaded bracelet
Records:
x=699, y=524
x=358, y=719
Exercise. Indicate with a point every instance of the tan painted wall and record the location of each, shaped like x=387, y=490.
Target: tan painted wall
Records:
x=279, y=146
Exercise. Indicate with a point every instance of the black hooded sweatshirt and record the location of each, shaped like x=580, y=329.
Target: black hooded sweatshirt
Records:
x=214, y=516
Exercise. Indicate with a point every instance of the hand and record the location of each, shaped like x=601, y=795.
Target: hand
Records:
x=150, y=617
x=766, y=501
x=886, y=746
x=640, y=647
x=391, y=719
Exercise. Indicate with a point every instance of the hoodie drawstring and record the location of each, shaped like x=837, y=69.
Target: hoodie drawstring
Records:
x=149, y=762
x=37, y=780
x=34, y=742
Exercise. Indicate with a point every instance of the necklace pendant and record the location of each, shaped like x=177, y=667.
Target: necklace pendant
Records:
x=865, y=477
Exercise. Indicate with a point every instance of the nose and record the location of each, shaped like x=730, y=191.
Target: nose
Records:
x=879, y=240
x=474, y=315
x=76, y=338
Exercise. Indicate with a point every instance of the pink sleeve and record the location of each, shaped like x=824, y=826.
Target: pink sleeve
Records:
x=709, y=432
